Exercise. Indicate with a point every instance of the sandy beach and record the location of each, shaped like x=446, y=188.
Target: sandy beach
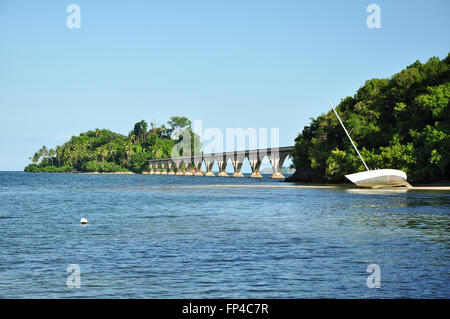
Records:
x=107, y=173
x=430, y=188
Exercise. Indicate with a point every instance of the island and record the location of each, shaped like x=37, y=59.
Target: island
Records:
x=402, y=122
x=104, y=151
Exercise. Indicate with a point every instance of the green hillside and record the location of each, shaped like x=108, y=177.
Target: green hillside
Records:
x=402, y=122
x=106, y=151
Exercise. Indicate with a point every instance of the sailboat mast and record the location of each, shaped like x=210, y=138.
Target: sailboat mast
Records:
x=348, y=135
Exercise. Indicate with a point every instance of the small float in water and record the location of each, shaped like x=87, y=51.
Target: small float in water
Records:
x=373, y=178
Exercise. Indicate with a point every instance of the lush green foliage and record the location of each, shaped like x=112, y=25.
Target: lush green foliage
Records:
x=106, y=151
x=33, y=168
x=402, y=123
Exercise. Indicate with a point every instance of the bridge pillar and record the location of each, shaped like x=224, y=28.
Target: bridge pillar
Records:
x=255, y=164
x=187, y=163
x=198, y=166
x=151, y=169
x=164, y=170
x=178, y=165
x=170, y=165
x=222, y=163
x=276, y=160
x=237, y=161
x=209, y=162
x=157, y=168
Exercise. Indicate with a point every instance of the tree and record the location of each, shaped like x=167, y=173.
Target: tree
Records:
x=133, y=138
x=59, y=154
x=43, y=152
x=140, y=130
x=35, y=158
x=402, y=122
x=103, y=152
x=51, y=153
x=178, y=122
x=129, y=149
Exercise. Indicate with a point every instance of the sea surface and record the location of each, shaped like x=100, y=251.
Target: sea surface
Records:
x=150, y=236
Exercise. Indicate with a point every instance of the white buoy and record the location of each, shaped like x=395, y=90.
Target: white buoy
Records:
x=83, y=221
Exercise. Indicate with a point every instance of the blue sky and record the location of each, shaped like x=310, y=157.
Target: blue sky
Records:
x=245, y=64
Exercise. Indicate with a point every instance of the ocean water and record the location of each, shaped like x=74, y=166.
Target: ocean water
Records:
x=151, y=236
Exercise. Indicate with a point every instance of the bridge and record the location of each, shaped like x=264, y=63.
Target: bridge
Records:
x=174, y=166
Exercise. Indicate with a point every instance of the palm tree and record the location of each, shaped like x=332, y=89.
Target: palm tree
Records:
x=90, y=143
x=70, y=159
x=51, y=153
x=103, y=152
x=129, y=149
x=35, y=158
x=158, y=152
x=44, y=151
x=111, y=151
x=163, y=132
x=134, y=138
x=58, y=154
x=78, y=151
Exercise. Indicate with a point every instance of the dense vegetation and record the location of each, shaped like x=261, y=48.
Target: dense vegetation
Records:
x=402, y=122
x=106, y=151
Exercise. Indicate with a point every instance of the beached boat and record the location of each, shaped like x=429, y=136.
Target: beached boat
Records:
x=377, y=177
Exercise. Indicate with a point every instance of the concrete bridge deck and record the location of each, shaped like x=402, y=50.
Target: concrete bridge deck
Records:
x=174, y=166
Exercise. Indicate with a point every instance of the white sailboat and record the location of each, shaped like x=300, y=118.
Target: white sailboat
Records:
x=377, y=177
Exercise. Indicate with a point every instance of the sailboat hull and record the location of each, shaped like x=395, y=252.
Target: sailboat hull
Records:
x=378, y=178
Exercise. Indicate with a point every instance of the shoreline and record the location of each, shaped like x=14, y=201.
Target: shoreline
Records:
x=440, y=188
x=436, y=186
x=105, y=173
x=338, y=186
